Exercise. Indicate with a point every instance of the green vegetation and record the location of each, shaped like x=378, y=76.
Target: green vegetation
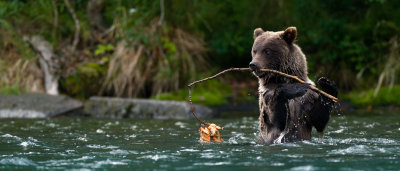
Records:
x=210, y=93
x=10, y=90
x=386, y=96
x=141, y=48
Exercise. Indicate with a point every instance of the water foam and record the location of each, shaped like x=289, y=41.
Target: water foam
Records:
x=97, y=146
x=212, y=164
x=17, y=161
x=155, y=157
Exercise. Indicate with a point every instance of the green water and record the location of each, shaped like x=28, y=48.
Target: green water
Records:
x=351, y=142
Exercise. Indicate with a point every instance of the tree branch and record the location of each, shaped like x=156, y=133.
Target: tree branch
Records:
x=77, y=25
x=162, y=12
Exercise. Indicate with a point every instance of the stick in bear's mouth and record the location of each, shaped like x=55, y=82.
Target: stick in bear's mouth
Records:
x=264, y=73
x=260, y=74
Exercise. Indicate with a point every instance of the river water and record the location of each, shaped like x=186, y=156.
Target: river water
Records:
x=350, y=142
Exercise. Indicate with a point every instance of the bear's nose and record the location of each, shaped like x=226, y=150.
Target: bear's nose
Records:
x=253, y=66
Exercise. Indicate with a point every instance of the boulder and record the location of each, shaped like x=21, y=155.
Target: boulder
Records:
x=104, y=107
x=36, y=105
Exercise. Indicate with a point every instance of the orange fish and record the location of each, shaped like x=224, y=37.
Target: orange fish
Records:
x=210, y=132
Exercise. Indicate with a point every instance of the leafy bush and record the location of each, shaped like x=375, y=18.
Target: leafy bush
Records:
x=210, y=93
x=385, y=96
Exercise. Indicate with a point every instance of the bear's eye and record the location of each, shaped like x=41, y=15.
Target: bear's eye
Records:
x=254, y=51
x=267, y=51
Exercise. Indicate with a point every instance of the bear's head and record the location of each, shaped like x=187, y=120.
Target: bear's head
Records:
x=277, y=50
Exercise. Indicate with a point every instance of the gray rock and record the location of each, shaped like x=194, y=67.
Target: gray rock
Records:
x=36, y=105
x=104, y=107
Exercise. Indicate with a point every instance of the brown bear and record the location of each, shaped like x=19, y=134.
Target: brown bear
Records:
x=288, y=109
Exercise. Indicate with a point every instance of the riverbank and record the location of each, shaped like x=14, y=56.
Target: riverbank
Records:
x=39, y=105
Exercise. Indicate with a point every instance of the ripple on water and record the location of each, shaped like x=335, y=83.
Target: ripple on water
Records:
x=354, y=150
x=155, y=157
x=334, y=160
x=353, y=140
x=10, y=136
x=210, y=155
x=108, y=124
x=133, y=127
x=309, y=143
x=277, y=164
x=232, y=140
x=337, y=131
x=99, y=131
x=119, y=152
x=372, y=125
x=232, y=125
x=181, y=124
x=212, y=163
x=383, y=141
x=83, y=158
x=304, y=168
x=83, y=138
x=97, y=146
x=17, y=161
x=31, y=141
x=24, y=144
x=52, y=125
x=109, y=162
x=189, y=150
x=238, y=137
x=173, y=134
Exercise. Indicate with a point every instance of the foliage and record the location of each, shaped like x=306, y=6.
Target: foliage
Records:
x=348, y=41
x=211, y=93
x=169, y=55
x=161, y=61
x=19, y=76
x=102, y=49
x=85, y=81
x=386, y=96
x=10, y=90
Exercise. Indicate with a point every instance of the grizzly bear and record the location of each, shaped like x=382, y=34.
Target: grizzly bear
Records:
x=288, y=109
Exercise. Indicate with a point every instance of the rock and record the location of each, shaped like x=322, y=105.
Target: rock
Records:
x=36, y=105
x=104, y=107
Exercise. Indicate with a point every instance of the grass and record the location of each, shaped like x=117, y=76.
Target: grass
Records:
x=385, y=97
x=15, y=90
x=210, y=93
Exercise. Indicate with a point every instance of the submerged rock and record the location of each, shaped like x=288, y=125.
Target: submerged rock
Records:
x=36, y=105
x=105, y=107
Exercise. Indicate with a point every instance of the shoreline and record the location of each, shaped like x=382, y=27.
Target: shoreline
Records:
x=39, y=105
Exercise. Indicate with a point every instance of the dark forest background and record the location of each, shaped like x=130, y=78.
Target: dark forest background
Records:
x=153, y=49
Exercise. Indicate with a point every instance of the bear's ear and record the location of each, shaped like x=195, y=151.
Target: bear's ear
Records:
x=289, y=35
x=257, y=32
